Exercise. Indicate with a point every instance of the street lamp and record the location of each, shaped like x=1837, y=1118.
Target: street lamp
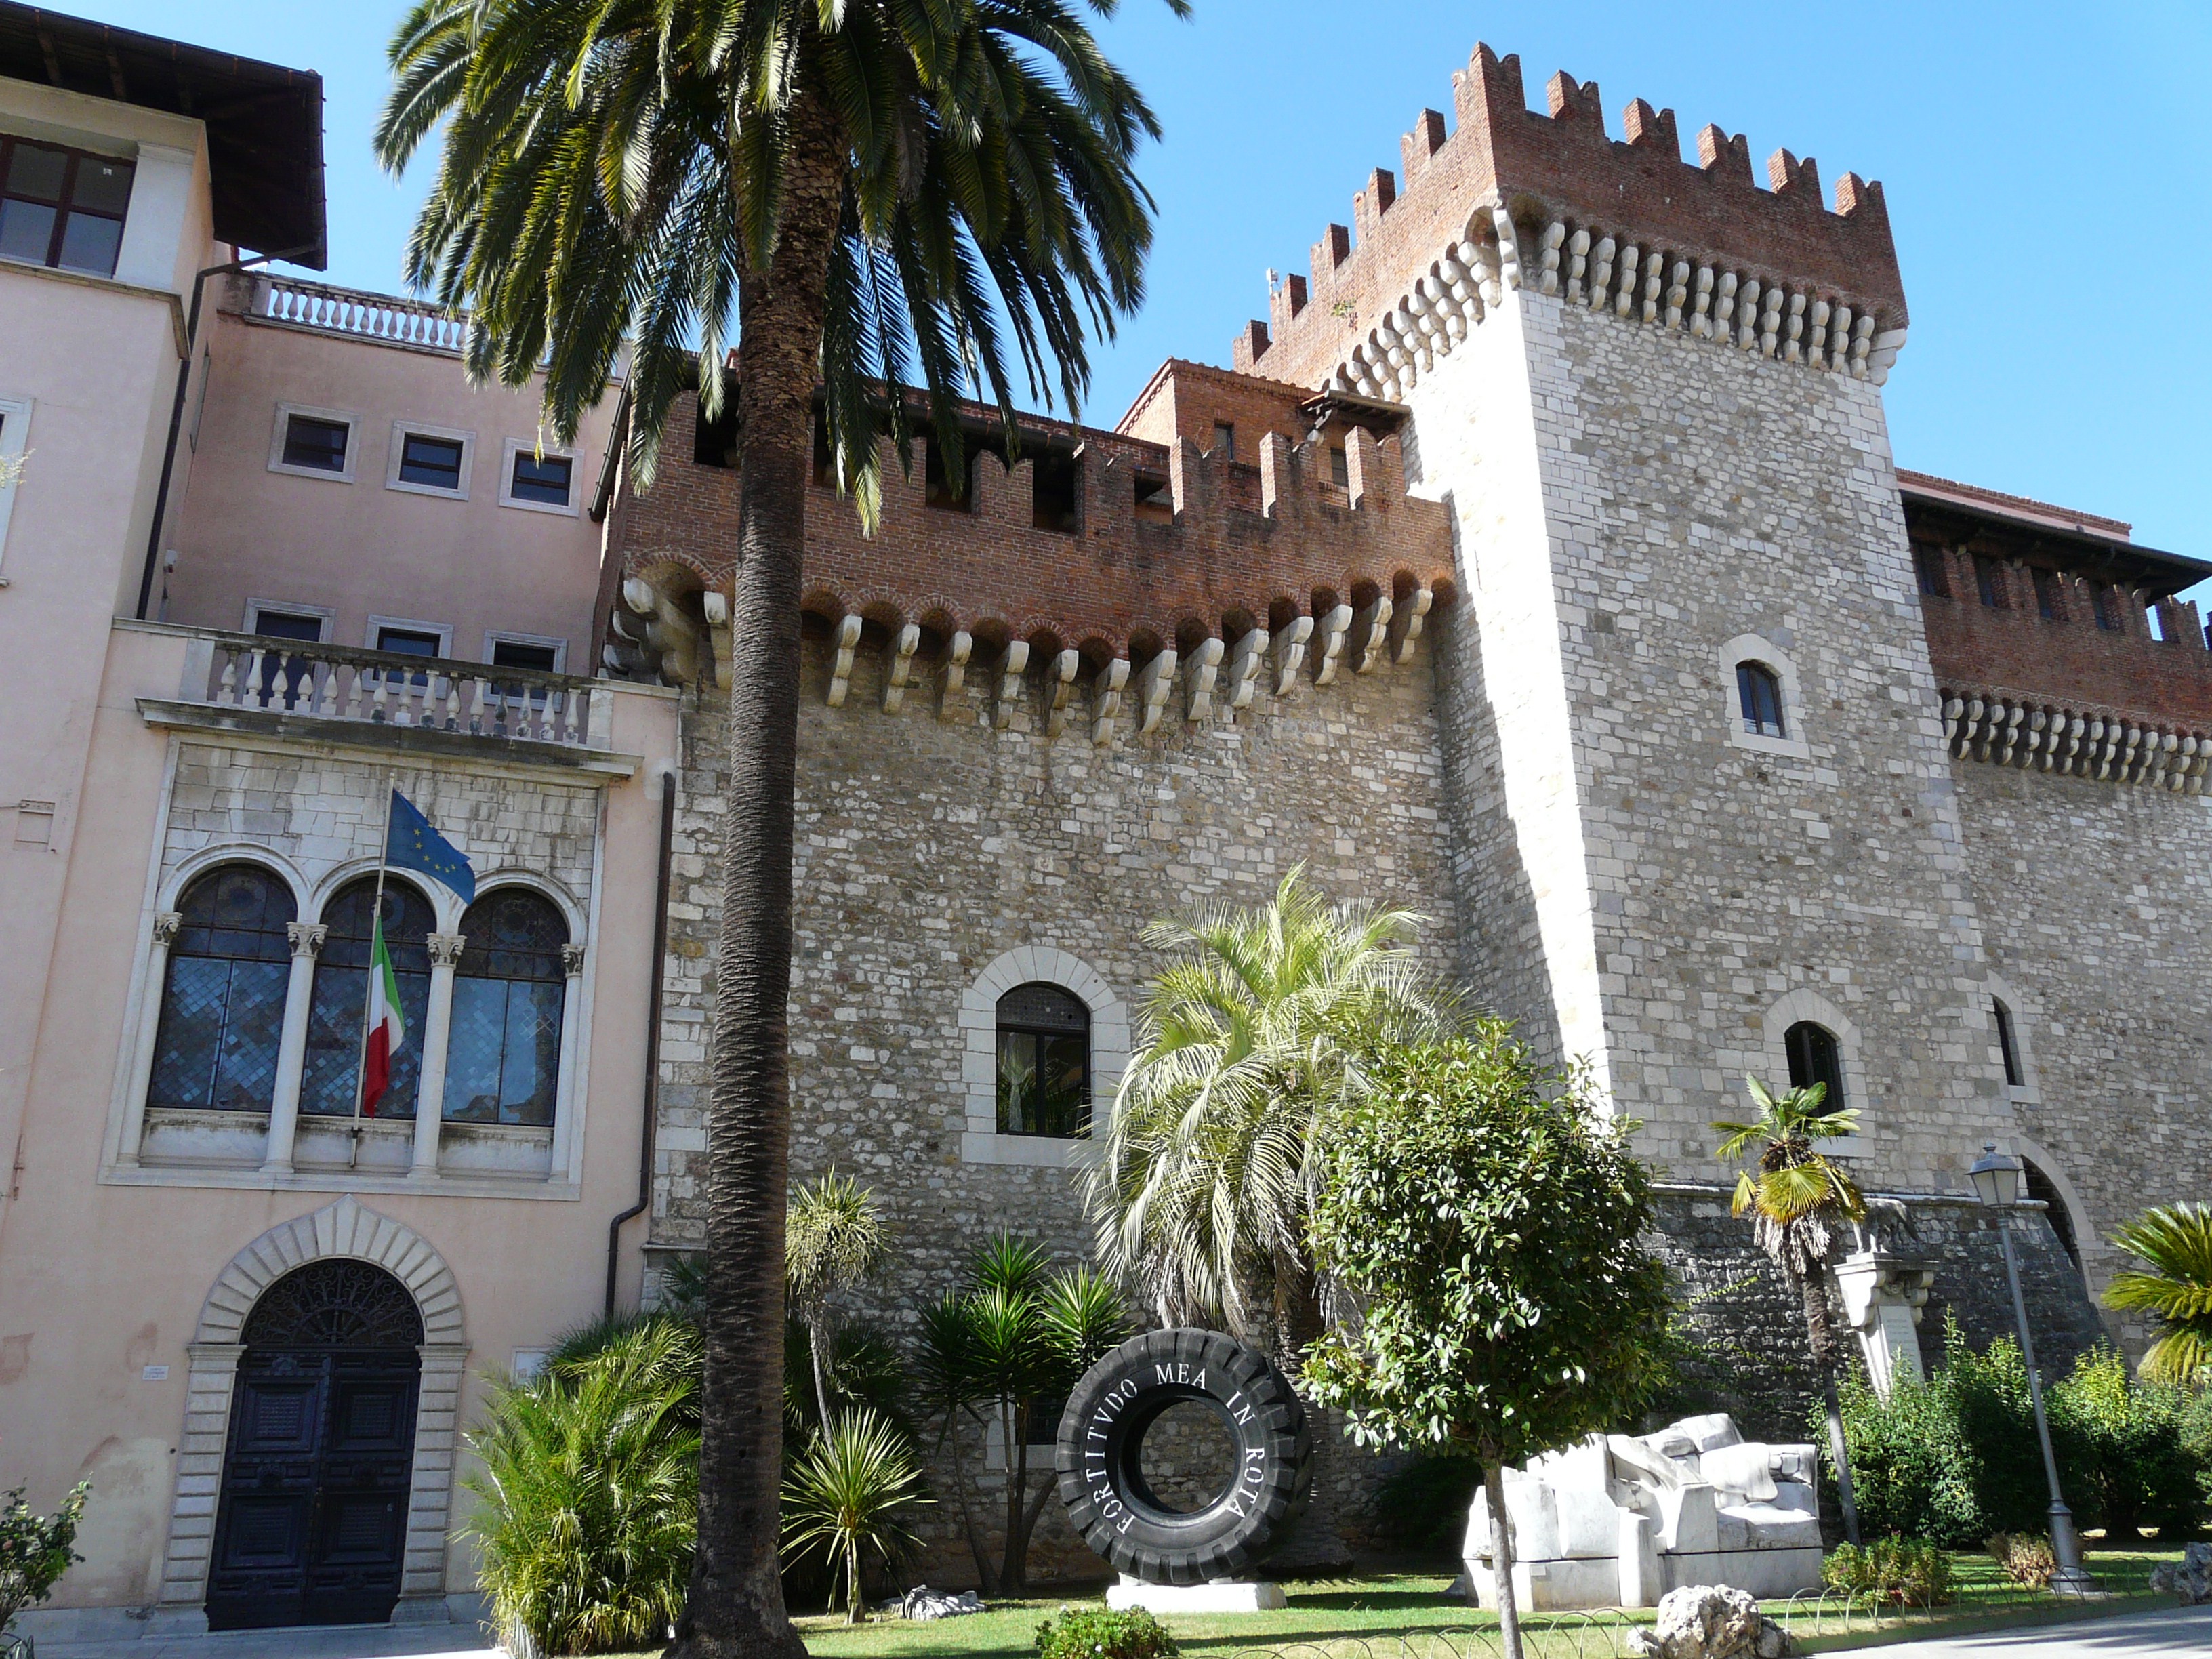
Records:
x=1997, y=1183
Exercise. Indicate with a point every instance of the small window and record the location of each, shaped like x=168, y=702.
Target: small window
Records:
x=1927, y=566
x=316, y=445
x=61, y=207
x=2008, y=1045
x=1340, y=467
x=2108, y=614
x=433, y=462
x=1056, y=484
x=1045, y=1062
x=287, y=625
x=937, y=483
x=1758, y=692
x=1224, y=440
x=540, y=480
x=1154, y=505
x=503, y=1053
x=223, y=1005
x=1814, y=1058
x=1988, y=582
x=2048, y=605
x=408, y=642
x=518, y=653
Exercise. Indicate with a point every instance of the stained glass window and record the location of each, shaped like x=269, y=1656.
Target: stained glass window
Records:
x=504, y=1055
x=1045, y=1062
x=223, y=1007
x=331, y=1078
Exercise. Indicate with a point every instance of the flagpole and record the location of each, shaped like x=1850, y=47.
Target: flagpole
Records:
x=368, y=989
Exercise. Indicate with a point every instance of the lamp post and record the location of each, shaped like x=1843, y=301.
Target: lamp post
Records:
x=1996, y=1184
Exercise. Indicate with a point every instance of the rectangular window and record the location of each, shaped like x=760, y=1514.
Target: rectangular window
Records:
x=433, y=463
x=408, y=642
x=1927, y=566
x=1340, y=467
x=517, y=653
x=61, y=207
x=2108, y=614
x=1224, y=440
x=1988, y=582
x=317, y=445
x=1056, y=484
x=2048, y=604
x=542, y=480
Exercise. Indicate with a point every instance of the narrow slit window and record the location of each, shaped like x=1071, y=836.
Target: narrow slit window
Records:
x=2007, y=1043
x=2108, y=616
x=1224, y=440
x=2048, y=604
x=1988, y=582
x=1759, y=694
x=1340, y=467
x=1928, y=567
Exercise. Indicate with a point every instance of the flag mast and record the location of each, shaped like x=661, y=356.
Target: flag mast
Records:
x=368, y=985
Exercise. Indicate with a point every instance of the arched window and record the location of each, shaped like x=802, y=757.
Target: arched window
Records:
x=504, y=1055
x=331, y=1079
x=2007, y=1043
x=1815, y=1058
x=1759, y=694
x=1045, y=1062
x=223, y=1007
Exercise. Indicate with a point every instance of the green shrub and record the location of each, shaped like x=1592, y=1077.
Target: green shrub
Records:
x=1102, y=1633
x=848, y=1495
x=35, y=1550
x=2196, y=1426
x=1914, y=1472
x=2023, y=1560
x=1908, y=1571
x=2125, y=1457
x=590, y=1483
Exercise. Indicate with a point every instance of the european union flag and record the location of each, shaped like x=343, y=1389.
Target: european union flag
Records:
x=411, y=844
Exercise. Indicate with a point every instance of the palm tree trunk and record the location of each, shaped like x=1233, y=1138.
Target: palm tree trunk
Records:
x=735, y=1609
x=1820, y=1333
x=1501, y=1561
x=986, y=1580
x=818, y=1348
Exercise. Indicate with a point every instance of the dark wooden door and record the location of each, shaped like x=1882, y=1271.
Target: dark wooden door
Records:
x=312, y=1527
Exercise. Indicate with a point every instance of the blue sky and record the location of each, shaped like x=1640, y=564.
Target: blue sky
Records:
x=2048, y=169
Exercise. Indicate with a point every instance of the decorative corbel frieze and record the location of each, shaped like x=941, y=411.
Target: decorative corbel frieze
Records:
x=1332, y=629
x=898, y=666
x=840, y=669
x=1152, y=688
x=716, y=605
x=1370, y=632
x=1406, y=626
x=1204, y=668
x=1058, y=687
x=1244, y=665
x=1008, y=683
x=1288, y=652
x=1106, y=704
x=951, y=694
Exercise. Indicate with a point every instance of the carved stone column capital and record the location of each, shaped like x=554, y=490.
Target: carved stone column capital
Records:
x=166, y=923
x=445, y=948
x=306, y=938
x=572, y=959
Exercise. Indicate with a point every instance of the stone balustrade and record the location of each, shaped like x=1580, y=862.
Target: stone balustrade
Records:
x=381, y=318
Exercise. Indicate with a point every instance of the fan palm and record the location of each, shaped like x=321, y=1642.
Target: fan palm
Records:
x=1211, y=1157
x=2176, y=1241
x=1797, y=1200
x=849, y=1493
x=834, y=1239
x=854, y=190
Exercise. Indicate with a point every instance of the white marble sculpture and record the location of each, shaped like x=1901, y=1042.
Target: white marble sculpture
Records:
x=1621, y=1520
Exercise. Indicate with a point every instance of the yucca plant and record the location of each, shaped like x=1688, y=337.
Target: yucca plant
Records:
x=848, y=1495
x=834, y=1239
x=2176, y=1241
x=1796, y=1197
x=589, y=1478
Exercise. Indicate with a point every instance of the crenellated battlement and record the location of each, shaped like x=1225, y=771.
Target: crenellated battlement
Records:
x=1550, y=201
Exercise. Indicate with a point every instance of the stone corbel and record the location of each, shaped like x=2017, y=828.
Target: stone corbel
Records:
x=1204, y=668
x=664, y=631
x=1152, y=688
x=1406, y=626
x=716, y=604
x=1883, y=1296
x=1106, y=705
x=951, y=697
x=1244, y=665
x=1332, y=629
x=1008, y=684
x=1058, y=687
x=898, y=666
x=1370, y=632
x=1288, y=652
x=840, y=671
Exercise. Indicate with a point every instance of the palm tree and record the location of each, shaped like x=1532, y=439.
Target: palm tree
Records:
x=1795, y=1201
x=863, y=187
x=849, y=1492
x=1211, y=1160
x=2176, y=1240
x=834, y=1239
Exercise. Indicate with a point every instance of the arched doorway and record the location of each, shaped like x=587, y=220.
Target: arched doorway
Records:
x=312, y=1525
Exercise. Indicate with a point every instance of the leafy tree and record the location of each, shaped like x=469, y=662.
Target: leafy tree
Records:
x=36, y=1550
x=1005, y=1352
x=1487, y=1226
x=852, y=190
x=849, y=1493
x=1267, y=1020
x=2176, y=1241
x=1796, y=1201
x=833, y=1240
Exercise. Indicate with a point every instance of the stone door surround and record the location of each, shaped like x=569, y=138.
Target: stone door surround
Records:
x=345, y=1228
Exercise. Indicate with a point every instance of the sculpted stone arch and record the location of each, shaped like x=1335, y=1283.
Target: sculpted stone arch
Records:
x=979, y=1021
x=344, y=1229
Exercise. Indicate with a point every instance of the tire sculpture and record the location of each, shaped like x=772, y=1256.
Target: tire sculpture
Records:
x=1100, y=1456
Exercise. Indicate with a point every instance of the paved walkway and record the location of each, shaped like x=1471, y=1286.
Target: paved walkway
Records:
x=328, y=1642
x=2130, y=1636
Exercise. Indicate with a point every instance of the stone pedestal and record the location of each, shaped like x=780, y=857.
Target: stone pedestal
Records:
x=1883, y=1295
x=1223, y=1595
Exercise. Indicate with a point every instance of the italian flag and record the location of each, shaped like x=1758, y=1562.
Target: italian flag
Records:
x=387, y=1028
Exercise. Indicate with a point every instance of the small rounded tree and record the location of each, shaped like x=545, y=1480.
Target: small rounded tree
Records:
x=1485, y=1223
